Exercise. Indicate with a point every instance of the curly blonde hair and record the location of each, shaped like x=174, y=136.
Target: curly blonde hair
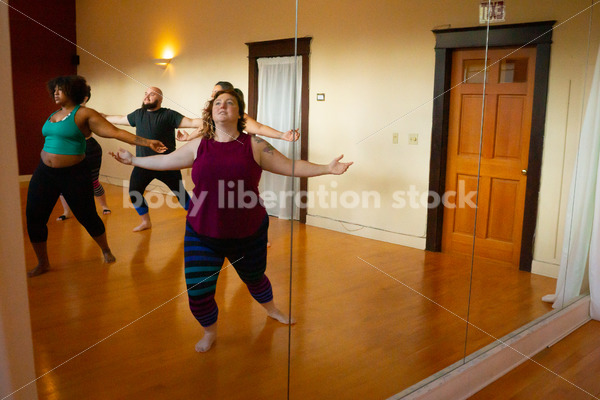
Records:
x=208, y=130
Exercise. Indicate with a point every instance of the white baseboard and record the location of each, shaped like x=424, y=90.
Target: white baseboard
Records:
x=545, y=269
x=462, y=380
x=366, y=232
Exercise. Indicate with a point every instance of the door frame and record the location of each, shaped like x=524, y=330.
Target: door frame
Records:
x=283, y=48
x=447, y=40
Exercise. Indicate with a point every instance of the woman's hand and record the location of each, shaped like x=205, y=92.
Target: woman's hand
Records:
x=123, y=156
x=183, y=136
x=291, y=136
x=157, y=146
x=337, y=168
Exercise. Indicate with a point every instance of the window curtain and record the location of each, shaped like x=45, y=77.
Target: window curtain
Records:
x=278, y=83
x=581, y=248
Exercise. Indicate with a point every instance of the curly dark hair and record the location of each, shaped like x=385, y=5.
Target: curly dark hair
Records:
x=208, y=131
x=88, y=93
x=73, y=86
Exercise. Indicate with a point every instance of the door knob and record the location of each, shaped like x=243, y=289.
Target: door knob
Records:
x=523, y=172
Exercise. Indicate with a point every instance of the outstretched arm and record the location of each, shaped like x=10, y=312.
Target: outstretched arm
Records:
x=272, y=160
x=117, y=119
x=183, y=136
x=181, y=158
x=191, y=123
x=253, y=126
x=186, y=122
x=101, y=127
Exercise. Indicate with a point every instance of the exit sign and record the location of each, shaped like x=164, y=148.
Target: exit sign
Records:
x=492, y=11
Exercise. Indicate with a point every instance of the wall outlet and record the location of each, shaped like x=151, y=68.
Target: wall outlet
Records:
x=413, y=138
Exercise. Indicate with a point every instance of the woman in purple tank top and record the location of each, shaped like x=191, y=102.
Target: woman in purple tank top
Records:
x=226, y=218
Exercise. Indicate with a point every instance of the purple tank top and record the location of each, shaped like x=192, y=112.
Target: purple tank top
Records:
x=225, y=203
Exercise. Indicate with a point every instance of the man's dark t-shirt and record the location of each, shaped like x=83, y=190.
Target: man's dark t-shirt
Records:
x=158, y=125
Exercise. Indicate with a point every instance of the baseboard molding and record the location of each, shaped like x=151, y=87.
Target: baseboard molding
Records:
x=545, y=269
x=366, y=232
x=462, y=380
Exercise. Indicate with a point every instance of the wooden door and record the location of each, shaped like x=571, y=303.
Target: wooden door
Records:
x=504, y=144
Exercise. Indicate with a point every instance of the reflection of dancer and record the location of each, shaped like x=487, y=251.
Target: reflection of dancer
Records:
x=152, y=121
x=226, y=162
x=62, y=168
x=252, y=126
x=93, y=157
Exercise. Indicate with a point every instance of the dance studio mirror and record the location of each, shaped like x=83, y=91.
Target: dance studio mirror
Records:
x=405, y=104
x=393, y=276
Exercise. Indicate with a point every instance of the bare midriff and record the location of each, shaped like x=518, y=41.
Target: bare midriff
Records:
x=61, y=160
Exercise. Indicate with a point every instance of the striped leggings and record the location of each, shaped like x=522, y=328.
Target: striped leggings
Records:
x=93, y=157
x=204, y=258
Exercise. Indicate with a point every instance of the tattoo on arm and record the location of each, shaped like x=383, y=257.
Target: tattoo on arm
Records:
x=268, y=147
x=139, y=141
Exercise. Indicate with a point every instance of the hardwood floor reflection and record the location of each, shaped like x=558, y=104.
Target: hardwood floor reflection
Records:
x=570, y=371
x=372, y=318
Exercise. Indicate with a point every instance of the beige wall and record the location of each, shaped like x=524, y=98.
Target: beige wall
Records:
x=16, y=349
x=570, y=75
x=375, y=63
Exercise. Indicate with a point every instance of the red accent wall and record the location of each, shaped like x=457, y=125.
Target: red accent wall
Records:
x=38, y=54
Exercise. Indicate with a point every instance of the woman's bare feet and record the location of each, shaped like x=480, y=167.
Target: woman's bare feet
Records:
x=40, y=269
x=64, y=216
x=66, y=210
x=142, y=227
x=210, y=335
x=277, y=314
x=41, y=252
x=108, y=256
x=146, y=224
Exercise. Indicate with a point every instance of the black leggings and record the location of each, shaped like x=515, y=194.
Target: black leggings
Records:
x=75, y=184
x=141, y=178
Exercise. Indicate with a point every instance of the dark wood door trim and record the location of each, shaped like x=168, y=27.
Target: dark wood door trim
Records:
x=283, y=48
x=538, y=34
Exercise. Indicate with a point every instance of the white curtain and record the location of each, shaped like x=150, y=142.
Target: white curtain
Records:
x=581, y=248
x=278, y=82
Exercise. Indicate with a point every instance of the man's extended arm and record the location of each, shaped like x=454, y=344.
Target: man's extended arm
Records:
x=117, y=119
x=190, y=123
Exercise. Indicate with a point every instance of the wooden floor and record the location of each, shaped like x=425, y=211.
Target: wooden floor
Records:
x=373, y=318
x=569, y=369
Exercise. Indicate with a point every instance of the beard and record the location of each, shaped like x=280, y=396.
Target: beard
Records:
x=149, y=106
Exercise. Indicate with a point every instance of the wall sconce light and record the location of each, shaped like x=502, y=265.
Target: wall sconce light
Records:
x=162, y=62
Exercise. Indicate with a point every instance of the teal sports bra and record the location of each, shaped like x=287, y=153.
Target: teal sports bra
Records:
x=63, y=137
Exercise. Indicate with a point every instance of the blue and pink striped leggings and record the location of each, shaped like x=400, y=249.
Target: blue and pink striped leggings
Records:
x=204, y=259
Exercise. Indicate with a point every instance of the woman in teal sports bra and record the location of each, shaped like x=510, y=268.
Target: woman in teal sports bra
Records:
x=62, y=170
